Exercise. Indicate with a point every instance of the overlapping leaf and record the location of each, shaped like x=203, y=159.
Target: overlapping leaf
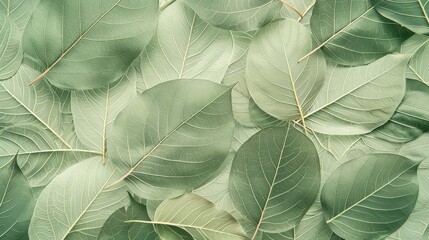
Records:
x=10, y=48
x=355, y=34
x=277, y=83
x=276, y=170
x=18, y=11
x=236, y=15
x=76, y=204
x=371, y=196
x=184, y=46
x=418, y=63
x=88, y=44
x=350, y=102
x=170, y=139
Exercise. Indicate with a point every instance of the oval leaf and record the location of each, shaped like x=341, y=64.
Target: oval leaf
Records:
x=88, y=44
x=76, y=204
x=371, y=196
x=172, y=137
x=10, y=48
x=240, y=15
x=355, y=34
x=278, y=84
x=350, y=102
x=275, y=178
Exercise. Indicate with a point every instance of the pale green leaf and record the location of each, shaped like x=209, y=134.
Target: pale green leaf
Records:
x=278, y=84
x=275, y=178
x=297, y=9
x=10, y=48
x=351, y=32
x=350, y=102
x=199, y=217
x=261, y=118
x=236, y=15
x=419, y=63
x=18, y=11
x=411, y=46
x=76, y=203
x=371, y=196
x=185, y=46
x=171, y=138
x=337, y=145
x=16, y=201
x=88, y=44
x=413, y=14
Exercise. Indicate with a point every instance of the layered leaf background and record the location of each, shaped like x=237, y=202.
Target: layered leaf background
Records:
x=220, y=120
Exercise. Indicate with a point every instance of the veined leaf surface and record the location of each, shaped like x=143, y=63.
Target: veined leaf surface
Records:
x=356, y=34
x=10, y=48
x=376, y=195
x=18, y=11
x=76, y=204
x=185, y=47
x=277, y=83
x=275, y=178
x=350, y=102
x=88, y=44
x=170, y=139
x=239, y=15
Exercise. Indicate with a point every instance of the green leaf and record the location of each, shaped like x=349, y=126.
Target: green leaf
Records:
x=278, y=84
x=413, y=14
x=16, y=201
x=171, y=138
x=10, y=48
x=104, y=104
x=76, y=204
x=185, y=46
x=337, y=145
x=116, y=228
x=418, y=63
x=351, y=32
x=371, y=196
x=297, y=9
x=263, y=119
x=239, y=15
x=350, y=102
x=275, y=178
x=18, y=11
x=88, y=44
x=199, y=217
x=411, y=46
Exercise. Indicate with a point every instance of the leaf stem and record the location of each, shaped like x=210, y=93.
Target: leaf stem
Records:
x=293, y=8
x=166, y=4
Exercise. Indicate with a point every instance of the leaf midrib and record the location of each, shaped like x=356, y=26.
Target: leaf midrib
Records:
x=370, y=194
x=74, y=44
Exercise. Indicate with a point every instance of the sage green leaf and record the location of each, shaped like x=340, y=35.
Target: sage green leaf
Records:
x=411, y=118
x=16, y=201
x=350, y=102
x=356, y=34
x=278, y=84
x=376, y=195
x=199, y=217
x=418, y=63
x=10, y=48
x=76, y=204
x=418, y=222
x=239, y=15
x=88, y=44
x=185, y=46
x=172, y=137
x=170, y=232
x=297, y=9
x=263, y=119
x=275, y=178
x=337, y=145
x=116, y=228
x=39, y=154
x=240, y=104
x=104, y=104
x=411, y=46
x=417, y=149
x=413, y=14
x=18, y=11
x=235, y=71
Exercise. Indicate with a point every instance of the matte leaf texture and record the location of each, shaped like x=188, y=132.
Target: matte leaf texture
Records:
x=356, y=34
x=418, y=63
x=199, y=217
x=10, y=48
x=376, y=194
x=102, y=39
x=239, y=15
x=81, y=202
x=18, y=11
x=169, y=139
x=413, y=14
x=183, y=47
x=16, y=201
x=272, y=174
x=278, y=84
x=350, y=102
